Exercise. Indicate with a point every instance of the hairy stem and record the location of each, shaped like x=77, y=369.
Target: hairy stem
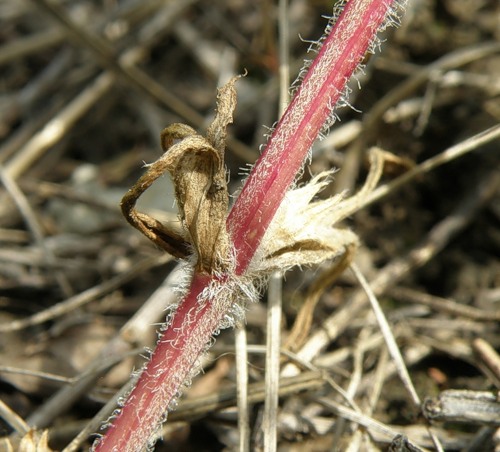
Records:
x=201, y=312
x=289, y=145
x=175, y=355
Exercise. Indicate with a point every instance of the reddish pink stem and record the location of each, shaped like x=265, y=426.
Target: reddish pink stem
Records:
x=191, y=328
x=288, y=146
x=195, y=322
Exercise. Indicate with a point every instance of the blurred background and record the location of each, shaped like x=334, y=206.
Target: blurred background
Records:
x=86, y=88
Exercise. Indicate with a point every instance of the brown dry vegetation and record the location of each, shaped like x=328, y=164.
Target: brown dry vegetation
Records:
x=83, y=99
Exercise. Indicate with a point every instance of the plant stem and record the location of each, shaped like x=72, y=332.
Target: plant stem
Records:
x=289, y=145
x=171, y=363
x=198, y=318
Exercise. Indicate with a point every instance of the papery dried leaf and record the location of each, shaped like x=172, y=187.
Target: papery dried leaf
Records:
x=304, y=320
x=199, y=178
x=170, y=240
x=196, y=165
x=226, y=104
x=302, y=231
x=197, y=168
x=35, y=441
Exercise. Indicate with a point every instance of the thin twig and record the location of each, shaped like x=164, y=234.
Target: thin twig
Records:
x=84, y=297
x=371, y=120
x=36, y=229
x=275, y=292
x=365, y=421
x=8, y=415
x=438, y=237
x=392, y=346
x=58, y=126
x=34, y=43
x=241, y=387
x=126, y=68
x=470, y=144
x=131, y=334
x=272, y=363
x=354, y=381
x=443, y=304
x=489, y=358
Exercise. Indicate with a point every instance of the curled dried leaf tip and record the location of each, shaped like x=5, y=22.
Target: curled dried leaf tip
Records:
x=196, y=164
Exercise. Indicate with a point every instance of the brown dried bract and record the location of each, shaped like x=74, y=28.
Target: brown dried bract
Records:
x=196, y=165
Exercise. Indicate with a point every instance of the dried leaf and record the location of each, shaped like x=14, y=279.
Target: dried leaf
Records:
x=302, y=231
x=168, y=239
x=199, y=177
x=35, y=441
x=196, y=165
x=226, y=104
